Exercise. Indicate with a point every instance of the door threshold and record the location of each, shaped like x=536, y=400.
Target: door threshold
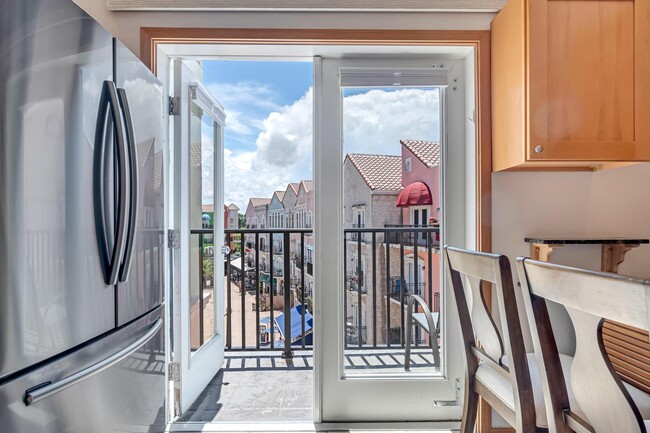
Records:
x=309, y=427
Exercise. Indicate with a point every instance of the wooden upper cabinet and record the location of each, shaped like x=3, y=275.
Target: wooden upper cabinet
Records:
x=570, y=83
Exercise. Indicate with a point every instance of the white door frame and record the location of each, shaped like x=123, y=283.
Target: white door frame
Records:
x=196, y=369
x=467, y=177
x=355, y=398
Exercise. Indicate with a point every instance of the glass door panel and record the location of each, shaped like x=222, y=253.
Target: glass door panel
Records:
x=381, y=130
x=199, y=221
x=203, y=137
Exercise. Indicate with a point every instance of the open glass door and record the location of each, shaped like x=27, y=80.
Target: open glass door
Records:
x=385, y=204
x=199, y=231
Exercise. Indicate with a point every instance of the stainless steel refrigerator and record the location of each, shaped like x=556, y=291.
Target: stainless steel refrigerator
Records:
x=81, y=227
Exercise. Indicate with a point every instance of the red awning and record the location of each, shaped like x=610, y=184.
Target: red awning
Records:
x=414, y=194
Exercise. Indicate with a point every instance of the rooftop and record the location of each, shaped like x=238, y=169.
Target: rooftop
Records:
x=294, y=186
x=426, y=151
x=308, y=185
x=280, y=194
x=381, y=172
x=260, y=201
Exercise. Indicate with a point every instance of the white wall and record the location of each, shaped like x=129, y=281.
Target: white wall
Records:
x=612, y=202
x=126, y=25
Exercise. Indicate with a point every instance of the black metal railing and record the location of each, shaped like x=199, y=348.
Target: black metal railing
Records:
x=367, y=250
x=264, y=286
x=418, y=237
x=376, y=287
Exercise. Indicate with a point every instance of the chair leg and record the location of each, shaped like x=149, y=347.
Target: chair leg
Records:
x=470, y=410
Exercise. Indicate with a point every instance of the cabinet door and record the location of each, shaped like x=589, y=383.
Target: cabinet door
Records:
x=589, y=80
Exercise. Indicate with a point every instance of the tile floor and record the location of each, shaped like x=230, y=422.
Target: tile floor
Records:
x=256, y=386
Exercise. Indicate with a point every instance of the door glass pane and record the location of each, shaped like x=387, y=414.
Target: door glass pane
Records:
x=391, y=169
x=202, y=293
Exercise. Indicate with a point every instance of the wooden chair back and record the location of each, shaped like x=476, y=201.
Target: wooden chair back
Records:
x=590, y=298
x=483, y=341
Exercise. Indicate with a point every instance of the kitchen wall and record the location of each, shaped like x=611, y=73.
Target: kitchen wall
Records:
x=612, y=202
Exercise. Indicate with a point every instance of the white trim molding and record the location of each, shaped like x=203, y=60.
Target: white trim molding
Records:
x=312, y=5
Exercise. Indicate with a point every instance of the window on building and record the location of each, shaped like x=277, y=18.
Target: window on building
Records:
x=359, y=218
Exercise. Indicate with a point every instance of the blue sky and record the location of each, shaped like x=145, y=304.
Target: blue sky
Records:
x=268, y=135
x=290, y=79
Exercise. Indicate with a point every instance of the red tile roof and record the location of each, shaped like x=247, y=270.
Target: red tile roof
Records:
x=308, y=185
x=233, y=206
x=280, y=194
x=294, y=186
x=207, y=208
x=260, y=201
x=426, y=151
x=381, y=172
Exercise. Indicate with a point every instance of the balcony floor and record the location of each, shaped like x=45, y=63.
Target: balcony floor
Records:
x=256, y=386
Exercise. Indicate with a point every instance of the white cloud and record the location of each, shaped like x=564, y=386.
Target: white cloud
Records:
x=282, y=155
x=246, y=94
x=375, y=121
x=235, y=123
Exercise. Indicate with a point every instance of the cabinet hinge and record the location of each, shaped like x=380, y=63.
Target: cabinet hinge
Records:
x=173, y=239
x=174, y=105
x=174, y=371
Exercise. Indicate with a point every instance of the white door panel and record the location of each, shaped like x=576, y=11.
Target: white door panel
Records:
x=198, y=218
x=341, y=394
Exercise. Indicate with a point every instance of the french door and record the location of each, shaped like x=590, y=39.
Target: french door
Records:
x=198, y=221
x=350, y=330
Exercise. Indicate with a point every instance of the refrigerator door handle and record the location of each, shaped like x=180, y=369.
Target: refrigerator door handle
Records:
x=47, y=389
x=109, y=260
x=132, y=156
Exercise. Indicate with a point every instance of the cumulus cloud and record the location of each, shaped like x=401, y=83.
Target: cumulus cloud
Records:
x=282, y=154
x=375, y=121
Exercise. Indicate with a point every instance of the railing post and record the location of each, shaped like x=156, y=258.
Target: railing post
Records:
x=287, y=352
x=201, y=283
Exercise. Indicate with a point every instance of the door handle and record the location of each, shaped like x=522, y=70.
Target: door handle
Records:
x=133, y=174
x=109, y=260
x=44, y=390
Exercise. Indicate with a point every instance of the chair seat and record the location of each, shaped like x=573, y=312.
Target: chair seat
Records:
x=421, y=320
x=501, y=387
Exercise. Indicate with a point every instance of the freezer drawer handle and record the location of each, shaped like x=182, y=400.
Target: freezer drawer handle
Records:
x=47, y=389
x=132, y=156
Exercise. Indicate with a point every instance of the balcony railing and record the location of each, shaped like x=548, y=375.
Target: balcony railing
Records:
x=258, y=290
x=376, y=299
x=273, y=293
x=415, y=235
